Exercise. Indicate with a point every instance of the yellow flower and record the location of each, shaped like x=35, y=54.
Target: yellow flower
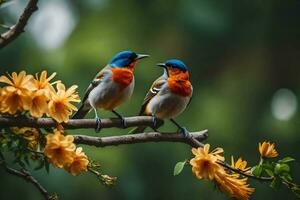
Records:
x=204, y=164
x=232, y=185
x=59, y=107
x=60, y=149
x=30, y=134
x=41, y=95
x=39, y=104
x=43, y=83
x=17, y=95
x=240, y=164
x=267, y=150
x=79, y=164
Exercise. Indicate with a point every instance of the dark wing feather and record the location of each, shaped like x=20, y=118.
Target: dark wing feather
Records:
x=92, y=85
x=97, y=80
x=154, y=89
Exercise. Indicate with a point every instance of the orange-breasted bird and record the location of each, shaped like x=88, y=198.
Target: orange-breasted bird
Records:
x=112, y=86
x=169, y=95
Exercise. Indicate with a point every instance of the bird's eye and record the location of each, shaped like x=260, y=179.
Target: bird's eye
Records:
x=133, y=56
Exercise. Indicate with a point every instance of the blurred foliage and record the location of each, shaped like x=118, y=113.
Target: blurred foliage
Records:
x=239, y=54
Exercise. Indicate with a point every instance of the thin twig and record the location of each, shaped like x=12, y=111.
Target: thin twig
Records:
x=77, y=123
x=35, y=152
x=260, y=178
x=26, y=176
x=105, y=179
x=18, y=28
x=94, y=171
x=140, y=138
x=5, y=26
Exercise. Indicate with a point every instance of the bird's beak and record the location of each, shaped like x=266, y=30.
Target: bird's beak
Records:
x=161, y=65
x=141, y=56
x=164, y=66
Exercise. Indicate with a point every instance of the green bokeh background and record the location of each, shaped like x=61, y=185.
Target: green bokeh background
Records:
x=239, y=54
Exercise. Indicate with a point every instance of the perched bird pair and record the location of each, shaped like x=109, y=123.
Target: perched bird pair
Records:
x=168, y=96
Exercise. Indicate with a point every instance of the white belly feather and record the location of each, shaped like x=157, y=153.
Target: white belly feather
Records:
x=167, y=105
x=109, y=94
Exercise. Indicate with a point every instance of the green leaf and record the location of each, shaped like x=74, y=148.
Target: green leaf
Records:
x=281, y=168
x=268, y=165
x=286, y=160
x=257, y=170
x=285, y=168
x=269, y=172
x=178, y=168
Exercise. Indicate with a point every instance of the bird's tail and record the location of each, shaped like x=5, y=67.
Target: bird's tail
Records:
x=139, y=129
x=82, y=111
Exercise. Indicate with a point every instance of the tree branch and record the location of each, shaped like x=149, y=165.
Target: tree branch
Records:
x=193, y=140
x=141, y=138
x=77, y=123
x=18, y=28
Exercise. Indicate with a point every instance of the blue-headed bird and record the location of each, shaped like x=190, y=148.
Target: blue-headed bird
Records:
x=112, y=86
x=169, y=95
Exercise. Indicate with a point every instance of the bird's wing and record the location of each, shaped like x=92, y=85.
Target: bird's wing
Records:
x=154, y=89
x=97, y=80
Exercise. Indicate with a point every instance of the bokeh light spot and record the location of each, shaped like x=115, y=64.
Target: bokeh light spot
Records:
x=284, y=104
x=52, y=25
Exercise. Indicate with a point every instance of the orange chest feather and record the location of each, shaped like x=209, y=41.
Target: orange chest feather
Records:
x=122, y=76
x=180, y=87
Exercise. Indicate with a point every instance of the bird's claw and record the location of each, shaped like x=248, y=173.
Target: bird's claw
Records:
x=154, y=121
x=98, y=125
x=124, y=123
x=184, y=132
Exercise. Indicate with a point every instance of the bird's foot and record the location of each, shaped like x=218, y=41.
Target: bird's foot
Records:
x=154, y=121
x=98, y=125
x=184, y=132
x=124, y=123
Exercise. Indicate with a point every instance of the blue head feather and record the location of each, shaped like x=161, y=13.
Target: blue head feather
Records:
x=176, y=64
x=123, y=59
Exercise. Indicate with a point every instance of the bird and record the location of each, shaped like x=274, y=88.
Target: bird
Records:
x=111, y=87
x=168, y=96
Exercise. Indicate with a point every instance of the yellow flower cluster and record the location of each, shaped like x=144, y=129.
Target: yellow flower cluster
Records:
x=62, y=153
x=37, y=95
x=31, y=135
x=205, y=166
